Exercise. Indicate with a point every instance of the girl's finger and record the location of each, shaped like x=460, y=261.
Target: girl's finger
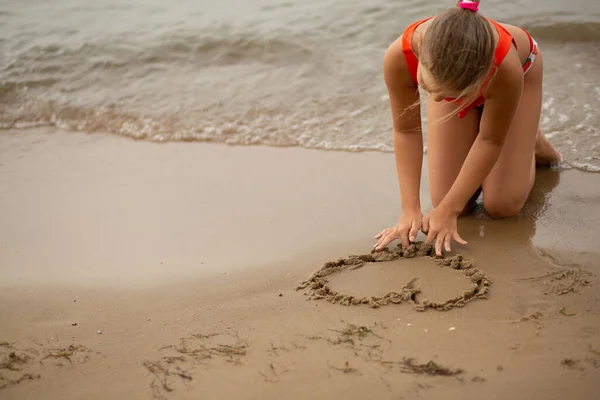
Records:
x=457, y=237
x=383, y=232
x=430, y=237
x=376, y=245
x=414, y=231
x=404, y=238
x=430, y=232
x=447, y=242
x=383, y=242
x=438, y=245
x=425, y=225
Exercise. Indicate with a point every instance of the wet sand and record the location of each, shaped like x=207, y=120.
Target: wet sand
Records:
x=140, y=270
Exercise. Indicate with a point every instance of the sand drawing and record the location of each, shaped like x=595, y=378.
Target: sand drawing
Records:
x=366, y=344
x=15, y=363
x=318, y=286
x=563, y=281
x=411, y=366
x=196, y=349
x=363, y=350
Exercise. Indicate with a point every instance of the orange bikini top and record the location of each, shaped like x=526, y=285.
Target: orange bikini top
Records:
x=505, y=40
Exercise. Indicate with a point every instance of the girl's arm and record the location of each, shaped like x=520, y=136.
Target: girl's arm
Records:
x=408, y=136
x=502, y=101
x=408, y=146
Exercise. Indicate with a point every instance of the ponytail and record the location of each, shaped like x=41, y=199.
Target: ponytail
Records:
x=470, y=5
x=458, y=50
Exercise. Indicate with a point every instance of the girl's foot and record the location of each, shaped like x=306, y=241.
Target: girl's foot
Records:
x=545, y=153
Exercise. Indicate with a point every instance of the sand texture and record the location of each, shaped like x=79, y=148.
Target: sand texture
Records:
x=135, y=270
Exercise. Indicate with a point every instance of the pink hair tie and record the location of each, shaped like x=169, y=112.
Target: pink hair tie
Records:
x=469, y=5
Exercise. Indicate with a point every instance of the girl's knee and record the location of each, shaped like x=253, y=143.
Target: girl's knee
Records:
x=503, y=206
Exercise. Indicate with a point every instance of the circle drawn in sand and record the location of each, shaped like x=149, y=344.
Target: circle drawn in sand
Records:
x=319, y=289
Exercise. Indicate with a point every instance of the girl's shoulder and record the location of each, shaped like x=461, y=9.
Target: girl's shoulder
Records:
x=395, y=67
x=521, y=39
x=507, y=76
x=401, y=57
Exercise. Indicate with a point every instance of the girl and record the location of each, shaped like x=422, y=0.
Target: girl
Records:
x=484, y=81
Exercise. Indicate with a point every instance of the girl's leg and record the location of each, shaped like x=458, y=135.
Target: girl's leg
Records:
x=545, y=153
x=448, y=144
x=508, y=185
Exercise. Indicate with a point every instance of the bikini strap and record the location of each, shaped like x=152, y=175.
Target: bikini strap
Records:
x=409, y=55
x=505, y=40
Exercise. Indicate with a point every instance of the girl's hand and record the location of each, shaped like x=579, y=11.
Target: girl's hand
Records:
x=440, y=225
x=406, y=230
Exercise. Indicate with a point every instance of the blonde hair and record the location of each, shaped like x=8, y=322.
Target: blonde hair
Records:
x=457, y=50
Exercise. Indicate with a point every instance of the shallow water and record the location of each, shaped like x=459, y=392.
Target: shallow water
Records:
x=292, y=73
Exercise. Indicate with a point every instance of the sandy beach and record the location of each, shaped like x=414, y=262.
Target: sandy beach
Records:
x=140, y=270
